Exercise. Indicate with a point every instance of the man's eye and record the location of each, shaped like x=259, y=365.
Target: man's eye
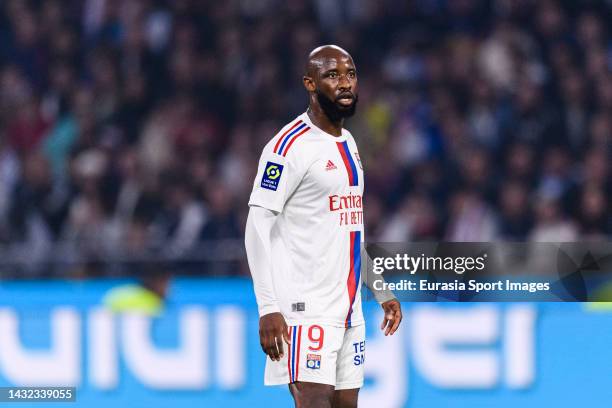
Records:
x=332, y=75
x=351, y=75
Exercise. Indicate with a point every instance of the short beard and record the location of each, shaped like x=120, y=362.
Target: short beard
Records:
x=334, y=111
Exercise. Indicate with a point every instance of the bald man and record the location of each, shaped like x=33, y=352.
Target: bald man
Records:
x=303, y=237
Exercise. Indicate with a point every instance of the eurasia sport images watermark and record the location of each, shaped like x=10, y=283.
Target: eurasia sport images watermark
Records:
x=459, y=265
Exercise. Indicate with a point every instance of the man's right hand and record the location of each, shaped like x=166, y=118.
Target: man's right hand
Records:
x=272, y=330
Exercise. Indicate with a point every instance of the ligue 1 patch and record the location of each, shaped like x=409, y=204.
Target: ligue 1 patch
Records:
x=313, y=361
x=271, y=176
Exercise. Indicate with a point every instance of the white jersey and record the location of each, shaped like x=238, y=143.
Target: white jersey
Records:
x=314, y=180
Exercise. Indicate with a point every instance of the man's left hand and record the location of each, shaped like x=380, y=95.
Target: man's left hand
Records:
x=393, y=316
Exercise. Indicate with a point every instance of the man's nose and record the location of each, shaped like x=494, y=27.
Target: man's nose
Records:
x=344, y=83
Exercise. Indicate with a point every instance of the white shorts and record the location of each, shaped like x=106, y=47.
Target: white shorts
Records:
x=320, y=354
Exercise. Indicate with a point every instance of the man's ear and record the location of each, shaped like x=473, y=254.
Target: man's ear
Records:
x=309, y=84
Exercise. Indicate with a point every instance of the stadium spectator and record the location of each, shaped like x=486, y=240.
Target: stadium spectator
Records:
x=480, y=120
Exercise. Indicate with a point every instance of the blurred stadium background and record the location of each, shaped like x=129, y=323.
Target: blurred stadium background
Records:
x=129, y=136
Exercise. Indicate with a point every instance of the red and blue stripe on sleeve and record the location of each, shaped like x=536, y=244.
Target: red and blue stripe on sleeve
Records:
x=286, y=140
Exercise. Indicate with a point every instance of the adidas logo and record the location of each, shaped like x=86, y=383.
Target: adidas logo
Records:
x=330, y=165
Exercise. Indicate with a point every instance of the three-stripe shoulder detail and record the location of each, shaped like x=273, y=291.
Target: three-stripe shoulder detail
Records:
x=286, y=140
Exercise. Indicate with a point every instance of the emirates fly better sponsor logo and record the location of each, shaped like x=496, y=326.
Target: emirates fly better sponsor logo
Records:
x=349, y=208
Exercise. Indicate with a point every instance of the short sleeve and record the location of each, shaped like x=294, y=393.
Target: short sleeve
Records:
x=276, y=180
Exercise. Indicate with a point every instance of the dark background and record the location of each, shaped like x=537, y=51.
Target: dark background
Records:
x=132, y=129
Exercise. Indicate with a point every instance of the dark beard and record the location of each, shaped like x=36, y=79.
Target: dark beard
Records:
x=334, y=111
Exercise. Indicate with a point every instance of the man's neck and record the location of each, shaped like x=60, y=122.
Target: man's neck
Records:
x=320, y=120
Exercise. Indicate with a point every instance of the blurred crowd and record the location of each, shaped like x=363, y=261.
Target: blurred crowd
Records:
x=132, y=128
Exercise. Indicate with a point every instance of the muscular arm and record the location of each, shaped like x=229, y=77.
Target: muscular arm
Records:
x=257, y=242
x=391, y=306
x=381, y=296
x=369, y=276
x=272, y=325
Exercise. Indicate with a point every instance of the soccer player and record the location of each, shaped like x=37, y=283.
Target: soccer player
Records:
x=303, y=237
